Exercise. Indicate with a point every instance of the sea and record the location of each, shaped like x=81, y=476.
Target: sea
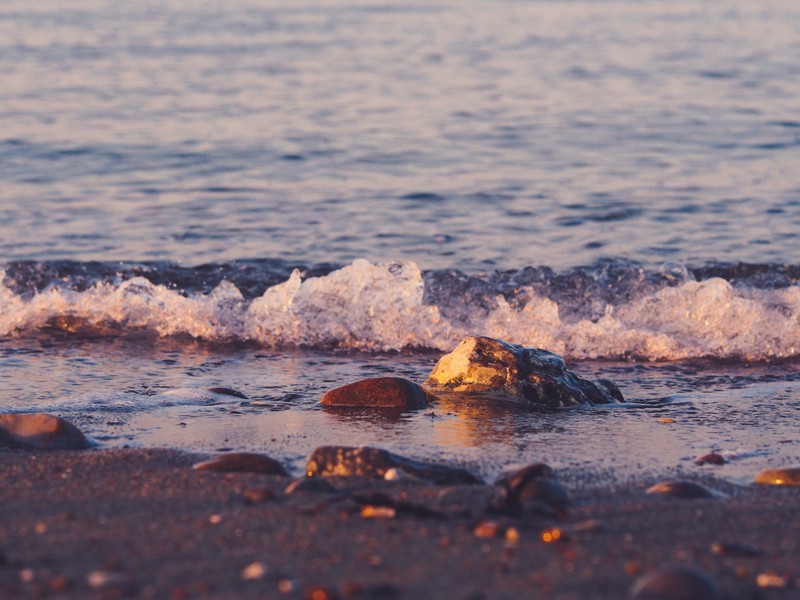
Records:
x=284, y=197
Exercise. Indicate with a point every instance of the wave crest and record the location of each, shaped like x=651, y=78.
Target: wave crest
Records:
x=612, y=313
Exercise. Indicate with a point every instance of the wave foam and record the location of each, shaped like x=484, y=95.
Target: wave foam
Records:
x=384, y=307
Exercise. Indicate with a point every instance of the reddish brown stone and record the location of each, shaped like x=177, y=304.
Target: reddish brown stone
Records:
x=40, y=431
x=378, y=392
x=242, y=462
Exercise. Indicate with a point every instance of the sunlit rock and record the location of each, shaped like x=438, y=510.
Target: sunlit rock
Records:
x=378, y=392
x=40, y=431
x=787, y=476
x=348, y=461
x=490, y=367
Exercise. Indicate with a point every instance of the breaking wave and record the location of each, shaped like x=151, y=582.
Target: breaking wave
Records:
x=611, y=311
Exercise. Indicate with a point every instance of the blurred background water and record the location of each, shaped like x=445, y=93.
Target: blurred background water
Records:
x=471, y=135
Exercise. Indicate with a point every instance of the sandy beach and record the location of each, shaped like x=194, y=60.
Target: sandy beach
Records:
x=143, y=524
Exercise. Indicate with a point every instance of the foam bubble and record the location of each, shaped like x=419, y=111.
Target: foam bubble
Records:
x=382, y=307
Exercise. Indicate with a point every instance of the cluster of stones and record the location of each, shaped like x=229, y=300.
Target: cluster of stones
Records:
x=480, y=368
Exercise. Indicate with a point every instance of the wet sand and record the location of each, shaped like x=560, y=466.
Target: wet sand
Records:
x=144, y=524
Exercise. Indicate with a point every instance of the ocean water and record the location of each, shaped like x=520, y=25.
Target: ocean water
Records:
x=285, y=197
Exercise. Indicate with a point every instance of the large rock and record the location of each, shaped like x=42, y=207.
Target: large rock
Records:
x=40, y=431
x=489, y=367
x=365, y=461
x=378, y=392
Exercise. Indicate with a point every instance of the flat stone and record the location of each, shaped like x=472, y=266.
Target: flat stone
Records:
x=676, y=583
x=348, y=461
x=681, y=489
x=242, y=462
x=379, y=392
x=789, y=476
x=485, y=366
x=40, y=431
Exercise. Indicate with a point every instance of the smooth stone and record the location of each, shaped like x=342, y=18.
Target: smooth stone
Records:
x=378, y=392
x=485, y=366
x=40, y=431
x=348, y=461
x=531, y=489
x=310, y=485
x=676, y=583
x=681, y=489
x=242, y=462
x=788, y=476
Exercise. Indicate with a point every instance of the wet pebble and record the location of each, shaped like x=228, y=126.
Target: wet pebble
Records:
x=366, y=461
x=378, y=392
x=789, y=476
x=681, y=489
x=712, y=458
x=310, y=485
x=254, y=571
x=676, y=583
x=242, y=462
x=40, y=431
x=531, y=489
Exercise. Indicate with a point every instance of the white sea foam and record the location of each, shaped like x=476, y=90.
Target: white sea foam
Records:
x=380, y=307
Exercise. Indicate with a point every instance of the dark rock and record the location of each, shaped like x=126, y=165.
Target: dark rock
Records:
x=676, y=583
x=242, y=462
x=378, y=392
x=681, y=489
x=40, y=431
x=712, y=458
x=532, y=376
x=226, y=391
x=374, y=462
x=788, y=476
x=531, y=489
x=310, y=485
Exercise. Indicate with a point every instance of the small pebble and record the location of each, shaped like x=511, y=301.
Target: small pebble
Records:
x=215, y=519
x=675, y=583
x=102, y=579
x=772, y=580
x=681, y=489
x=27, y=575
x=378, y=512
x=788, y=476
x=310, y=485
x=486, y=529
x=319, y=593
x=554, y=535
x=285, y=585
x=712, y=458
x=254, y=571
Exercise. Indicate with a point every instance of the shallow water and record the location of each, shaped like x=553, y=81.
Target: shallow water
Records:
x=612, y=180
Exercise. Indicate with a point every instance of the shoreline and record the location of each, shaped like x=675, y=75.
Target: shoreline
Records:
x=141, y=523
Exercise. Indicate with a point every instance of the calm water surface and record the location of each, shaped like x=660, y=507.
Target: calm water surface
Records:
x=629, y=153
